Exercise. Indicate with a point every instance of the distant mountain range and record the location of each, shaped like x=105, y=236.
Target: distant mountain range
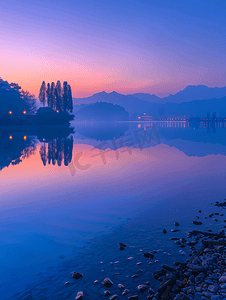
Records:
x=190, y=93
x=193, y=100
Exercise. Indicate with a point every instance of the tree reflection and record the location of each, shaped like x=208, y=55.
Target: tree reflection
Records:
x=14, y=147
x=57, y=150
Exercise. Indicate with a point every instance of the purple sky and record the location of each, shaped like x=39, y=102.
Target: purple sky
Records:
x=156, y=46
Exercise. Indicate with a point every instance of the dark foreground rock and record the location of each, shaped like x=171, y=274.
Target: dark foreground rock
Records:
x=76, y=275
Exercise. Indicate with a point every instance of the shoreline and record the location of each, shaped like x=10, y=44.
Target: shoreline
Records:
x=95, y=265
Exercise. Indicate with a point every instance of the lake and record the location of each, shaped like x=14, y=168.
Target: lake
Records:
x=70, y=195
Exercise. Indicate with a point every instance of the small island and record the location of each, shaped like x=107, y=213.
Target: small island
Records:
x=102, y=111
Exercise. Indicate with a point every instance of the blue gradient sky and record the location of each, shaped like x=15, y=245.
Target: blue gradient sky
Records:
x=129, y=46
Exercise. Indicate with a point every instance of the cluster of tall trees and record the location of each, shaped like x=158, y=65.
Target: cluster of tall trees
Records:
x=57, y=97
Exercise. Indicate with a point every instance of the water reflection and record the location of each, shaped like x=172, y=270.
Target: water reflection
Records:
x=56, y=143
x=14, y=147
x=102, y=131
x=56, y=151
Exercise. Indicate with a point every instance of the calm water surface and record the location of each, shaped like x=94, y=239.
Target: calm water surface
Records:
x=65, y=191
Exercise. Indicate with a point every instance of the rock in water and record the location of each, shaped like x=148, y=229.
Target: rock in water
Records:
x=148, y=254
x=142, y=288
x=126, y=291
x=107, y=293
x=122, y=244
x=107, y=282
x=197, y=223
x=76, y=275
x=164, y=231
x=176, y=224
x=79, y=296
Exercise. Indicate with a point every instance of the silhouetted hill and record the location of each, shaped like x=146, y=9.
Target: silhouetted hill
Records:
x=102, y=111
x=129, y=102
x=196, y=92
x=147, y=97
x=190, y=93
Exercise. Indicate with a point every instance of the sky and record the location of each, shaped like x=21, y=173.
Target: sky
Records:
x=152, y=46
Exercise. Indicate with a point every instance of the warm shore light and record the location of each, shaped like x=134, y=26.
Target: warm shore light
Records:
x=24, y=112
x=10, y=137
x=10, y=112
x=25, y=138
x=57, y=111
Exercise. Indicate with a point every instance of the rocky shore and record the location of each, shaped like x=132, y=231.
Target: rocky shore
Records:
x=198, y=273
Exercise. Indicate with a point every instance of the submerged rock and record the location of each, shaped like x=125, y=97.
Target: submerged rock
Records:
x=76, y=275
x=107, y=282
x=79, y=296
x=197, y=223
x=142, y=288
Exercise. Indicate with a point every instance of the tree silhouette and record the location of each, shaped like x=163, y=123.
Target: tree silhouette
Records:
x=30, y=101
x=70, y=102
x=52, y=96
x=42, y=93
x=48, y=94
x=58, y=95
x=65, y=96
x=58, y=98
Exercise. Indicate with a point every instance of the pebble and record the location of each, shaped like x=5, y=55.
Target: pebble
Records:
x=213, y=288
x=222, y=279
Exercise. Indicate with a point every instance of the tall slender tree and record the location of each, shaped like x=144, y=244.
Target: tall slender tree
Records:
x=53, y=97
x=70, y=102
x=65, y=96
x=42, y=93
x=58, y=95
x=48, y=94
